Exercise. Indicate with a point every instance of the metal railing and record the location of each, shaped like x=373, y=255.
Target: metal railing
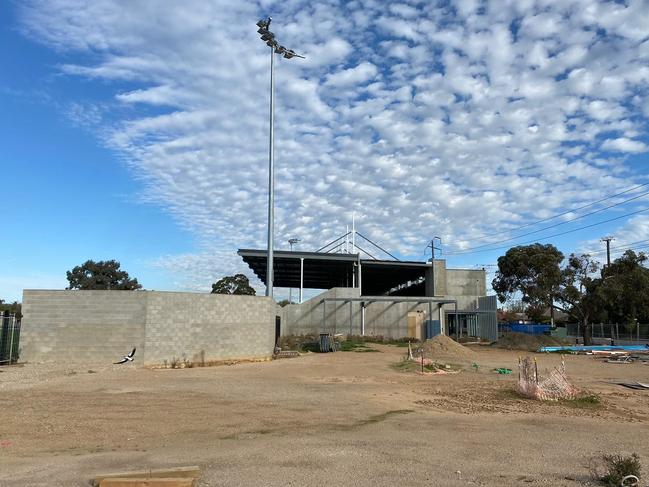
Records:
x=9, y=339
x=632, y=332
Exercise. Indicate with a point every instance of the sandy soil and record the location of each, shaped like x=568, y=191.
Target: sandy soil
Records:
x=347, y=418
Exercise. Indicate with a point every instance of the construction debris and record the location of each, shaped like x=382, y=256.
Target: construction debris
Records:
x=552, y=388
x=157, y=482
x=640, y=386
x=170, y=477
x=595, y=349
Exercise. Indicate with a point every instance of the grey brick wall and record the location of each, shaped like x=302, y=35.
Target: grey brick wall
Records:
x=221, y=327
x=81, y=326
x=102, y=326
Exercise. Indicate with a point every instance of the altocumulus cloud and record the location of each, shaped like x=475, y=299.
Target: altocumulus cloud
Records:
x=420, y=118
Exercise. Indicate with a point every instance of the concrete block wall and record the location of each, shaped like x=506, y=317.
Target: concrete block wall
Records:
x=81, y=326
x=213, y=326
x=102, y=326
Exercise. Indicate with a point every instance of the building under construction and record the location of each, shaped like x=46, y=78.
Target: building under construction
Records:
x=362, y=294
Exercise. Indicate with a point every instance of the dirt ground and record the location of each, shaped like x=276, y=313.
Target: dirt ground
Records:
x=345, y=418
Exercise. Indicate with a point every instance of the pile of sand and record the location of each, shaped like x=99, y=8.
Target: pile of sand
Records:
x=523, y=341
x=441, y=347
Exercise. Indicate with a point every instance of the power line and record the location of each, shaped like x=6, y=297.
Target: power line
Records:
x=552, y=236
x=569, y=211
x=559, y=224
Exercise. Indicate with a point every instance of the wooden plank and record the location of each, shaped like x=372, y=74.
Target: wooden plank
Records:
x=192, y=471
x=147, y=482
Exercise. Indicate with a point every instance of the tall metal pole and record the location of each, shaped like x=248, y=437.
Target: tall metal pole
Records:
x=290, y=289
x=432, y=266
x=271, y=182
x=608, y=249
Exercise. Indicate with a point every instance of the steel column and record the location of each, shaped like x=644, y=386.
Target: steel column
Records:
x=271, y=181
x=301, y=277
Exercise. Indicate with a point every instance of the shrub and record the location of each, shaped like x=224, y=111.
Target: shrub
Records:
x=611, y=469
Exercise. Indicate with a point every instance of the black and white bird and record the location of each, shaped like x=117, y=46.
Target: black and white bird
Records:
x=127, y=358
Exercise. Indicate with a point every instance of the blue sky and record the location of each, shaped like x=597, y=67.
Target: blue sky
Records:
x=140, y=133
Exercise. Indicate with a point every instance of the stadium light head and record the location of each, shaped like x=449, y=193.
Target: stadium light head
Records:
x=280, y=49
x=264, y=24
x=266, y=36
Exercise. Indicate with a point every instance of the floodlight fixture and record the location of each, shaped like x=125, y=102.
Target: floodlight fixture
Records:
x=264, y=24
x=267, y=36
x=279, y=49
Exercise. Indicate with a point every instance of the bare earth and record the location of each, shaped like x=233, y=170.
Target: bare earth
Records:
x=346, y=418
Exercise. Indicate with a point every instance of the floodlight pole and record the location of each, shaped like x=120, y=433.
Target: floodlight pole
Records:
x=271, y=181
x=269, y=38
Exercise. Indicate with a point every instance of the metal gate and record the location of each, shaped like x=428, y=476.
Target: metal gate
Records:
x=487, y=322
x=9, y=339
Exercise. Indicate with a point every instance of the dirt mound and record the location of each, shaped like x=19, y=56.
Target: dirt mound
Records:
x=443, y=347
x=530, y=343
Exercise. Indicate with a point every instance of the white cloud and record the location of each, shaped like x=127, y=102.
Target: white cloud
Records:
x=623, y=144
x=421, y=120
x=357, y=75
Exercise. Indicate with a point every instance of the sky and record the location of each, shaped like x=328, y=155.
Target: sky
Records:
x=138, y=131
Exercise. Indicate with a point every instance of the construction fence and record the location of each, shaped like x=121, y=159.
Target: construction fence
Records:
x=632, y=332
x=9, y=339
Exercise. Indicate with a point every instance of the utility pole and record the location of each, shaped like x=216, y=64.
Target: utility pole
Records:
x=432, y=262
x=608, y=249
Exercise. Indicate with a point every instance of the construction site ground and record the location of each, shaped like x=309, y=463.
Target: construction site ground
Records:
x=345, y=418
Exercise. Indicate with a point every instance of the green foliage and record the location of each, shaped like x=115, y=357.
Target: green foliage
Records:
x=536, y=273
x=619, y=466
x=14, y=308
x=533, y=271
x=237, y=284
x=354, y=346
x=101, y=275
x=583, y=401
x=626, y=289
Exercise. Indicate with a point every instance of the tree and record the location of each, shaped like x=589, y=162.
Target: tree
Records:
x=237, y=284
x=14, y=308
x=101, y=275
x=535, y=272
x=625, y=289
x=532, y=271
x=579, y=294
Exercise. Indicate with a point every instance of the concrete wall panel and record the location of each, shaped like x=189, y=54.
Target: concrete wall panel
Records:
x=102, y=326
x=81, y=326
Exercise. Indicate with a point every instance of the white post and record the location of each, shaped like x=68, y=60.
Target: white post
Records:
x=363, y=320
x=353, y=233
x=360, y=272
x=301, y=277
x=11, y=343
x=346, y=239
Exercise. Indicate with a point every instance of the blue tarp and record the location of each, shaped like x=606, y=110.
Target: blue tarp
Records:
x=599, y=348
x=528, y=328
